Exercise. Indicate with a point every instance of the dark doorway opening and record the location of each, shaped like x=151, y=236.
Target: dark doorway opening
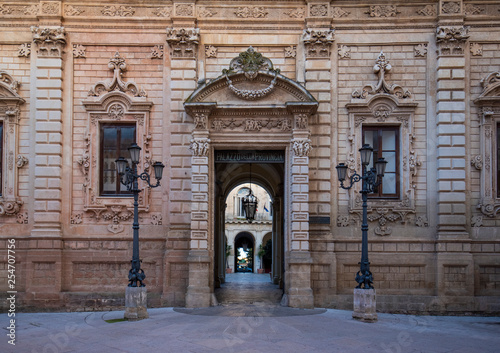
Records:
x=244, y=252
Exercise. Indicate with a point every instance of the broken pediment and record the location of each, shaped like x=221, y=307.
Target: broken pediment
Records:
x=250, y=81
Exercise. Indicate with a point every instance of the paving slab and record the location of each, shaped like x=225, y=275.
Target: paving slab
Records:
x=247, y=329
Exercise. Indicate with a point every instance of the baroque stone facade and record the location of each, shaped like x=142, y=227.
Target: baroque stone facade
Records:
x=278, y=91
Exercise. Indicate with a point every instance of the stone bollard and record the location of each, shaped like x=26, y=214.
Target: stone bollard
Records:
x=136, y=303
x=365, y=305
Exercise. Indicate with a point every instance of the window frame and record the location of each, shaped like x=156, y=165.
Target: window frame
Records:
x=379, y=194
x=118, y=189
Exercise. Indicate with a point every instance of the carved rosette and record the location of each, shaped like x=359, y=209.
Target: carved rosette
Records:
x=50, y=42
x=10, y=207
x=24, y=50
x=451, y=40
x=183, y=42
x=318, y=43
x=79, y=51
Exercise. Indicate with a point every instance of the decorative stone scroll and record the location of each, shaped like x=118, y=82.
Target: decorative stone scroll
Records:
x=489, y=107
x=318, y=43
x=118, y=65
x=49, y=41
x=10, y=103
x=382, y=67
x=451, y=39
x=183, y=42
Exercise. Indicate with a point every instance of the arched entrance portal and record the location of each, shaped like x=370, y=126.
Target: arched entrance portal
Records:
x=240, y=118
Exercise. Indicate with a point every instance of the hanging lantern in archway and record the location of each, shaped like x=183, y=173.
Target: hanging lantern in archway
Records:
x=250, y=205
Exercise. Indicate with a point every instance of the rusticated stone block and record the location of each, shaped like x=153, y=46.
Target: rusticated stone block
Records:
x=136, y=303
x=365, y=305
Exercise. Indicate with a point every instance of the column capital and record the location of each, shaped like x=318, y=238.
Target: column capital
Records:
x=49, y=41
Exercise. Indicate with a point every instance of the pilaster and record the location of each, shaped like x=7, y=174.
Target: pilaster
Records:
x=49, y=43
x=451, y=130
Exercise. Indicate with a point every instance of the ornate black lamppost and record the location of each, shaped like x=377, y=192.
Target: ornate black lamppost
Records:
x=128, y=177
x=370, y=178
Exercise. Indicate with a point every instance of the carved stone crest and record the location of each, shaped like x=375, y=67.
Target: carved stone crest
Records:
x=49, y=41
x=451, y=39
x=183, y=42
x=318, y=43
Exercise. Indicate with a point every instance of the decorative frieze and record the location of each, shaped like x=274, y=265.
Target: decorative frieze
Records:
x=298, y=13
x=451, y=39
x=451, y=7
x=49, y=41
x=184, y=10
x=318, y=43
x=183, y=42
x=70, y=10
x=338, y=12
x=200, y=147
x=383, y=11
x=471, y=9
x=50, y=7
x=428, y=10
x=119, y=66
x=162, y=11
x=251, y=12
x=207, y=12
x=118, y=11
x=318, y=10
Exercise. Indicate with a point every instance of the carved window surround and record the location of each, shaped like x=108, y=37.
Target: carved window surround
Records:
x=384, y=109
x=10, y=103
x=489, y=103
x=121, y=102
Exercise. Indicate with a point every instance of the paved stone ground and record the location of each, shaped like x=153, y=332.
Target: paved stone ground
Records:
x=249, y=328
x=248, y=288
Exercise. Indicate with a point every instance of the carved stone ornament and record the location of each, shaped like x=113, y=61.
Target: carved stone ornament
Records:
x=21, y=161
x=156, y=219
x=382, y=67
x=118, y=65
x=210, y=51
x=77, y=218
x=184, y=10
x=344, y=52
x=10, y=102
x=22, y=218
x=157, y=52
x=428, y=10
x=79, y=51
x=450, y=7
x=250, y=63
x=116, y=214
x=476, y=221
x=183, y=42
x=451, y=39
x=70, y=10
x=343, y=221
x=200, y=147
x=420, y=50
x=49, y=41
x=207, y=12
x=251, y=12
x=421, y=221
x=200, y=121
x=318, y=10
x=290, y=52
x=476, y=49
x=118, y=11
x=301, y=147
x=477, y=162
x=338, y=12
x=50, y=7
x=383, y=11
x=471, y=9
x=296, y=13
x=162, y=11
x=318, y=43
x=489, y=107
x=24, y=50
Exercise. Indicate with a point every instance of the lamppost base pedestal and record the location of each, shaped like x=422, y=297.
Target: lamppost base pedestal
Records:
x=364, y=305
x=136, y=303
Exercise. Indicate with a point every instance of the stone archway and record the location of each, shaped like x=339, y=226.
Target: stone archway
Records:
x=250, y=105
